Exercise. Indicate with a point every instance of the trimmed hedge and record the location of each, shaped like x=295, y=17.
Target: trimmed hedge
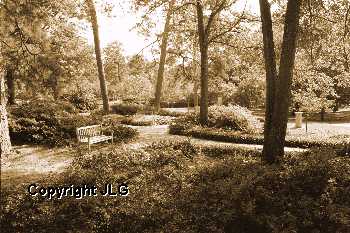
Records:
x=125, y=109
x=258, y=139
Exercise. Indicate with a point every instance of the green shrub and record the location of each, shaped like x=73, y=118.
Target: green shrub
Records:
x=305, y=194
x=82, y=100
x=51, y=125
x=164, y=112
x=55, y=131
x=149, y=110
x=121, y=133
x=43, y=109
x=132, y=121
x=182, y=124
x=180, y=103
x=250, y=92
x=233, y=117
x=125, y=109
x=225, y=135
x=220, y=117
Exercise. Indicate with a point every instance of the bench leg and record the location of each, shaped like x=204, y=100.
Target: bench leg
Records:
x=89, y=144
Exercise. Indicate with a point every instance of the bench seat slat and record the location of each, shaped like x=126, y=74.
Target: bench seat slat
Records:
x=94, y=132
x=96, y=139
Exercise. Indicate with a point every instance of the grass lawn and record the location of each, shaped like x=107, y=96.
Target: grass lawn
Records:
x=319, y=129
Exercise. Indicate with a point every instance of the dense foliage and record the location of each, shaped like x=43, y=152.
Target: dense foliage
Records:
x=125, y=109
x=83, y=100
x=179, y=187
x=232, y=117
x=54, y=123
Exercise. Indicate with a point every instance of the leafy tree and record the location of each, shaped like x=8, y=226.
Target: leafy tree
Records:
x=207, y=35
x=324, y=47
x=21, y=40
x=114, y=63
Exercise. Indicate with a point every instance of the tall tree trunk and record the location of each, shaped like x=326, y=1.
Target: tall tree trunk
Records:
x=195, y=75
x=271, y=73
x=101, y=76
x=5, y=143
x=275, y=140
x=11, y=88
x=203, y=112
x=54, y=83
x=163, y=53
x=195, y=94
x=203, y=46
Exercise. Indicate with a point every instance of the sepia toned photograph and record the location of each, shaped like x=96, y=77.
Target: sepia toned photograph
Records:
x=189, y=116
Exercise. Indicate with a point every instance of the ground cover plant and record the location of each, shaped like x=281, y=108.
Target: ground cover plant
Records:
x=178, y=187
x=205, y=53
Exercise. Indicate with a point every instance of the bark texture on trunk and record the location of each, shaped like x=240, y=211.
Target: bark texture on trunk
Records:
x=203, y=46
x=5, y=142
x=195, y=76
x=271, y=73
x=101, y=76
x=204, y=85
x=11, y=88
x=195, y=94
x=163, y=53
x=274, y=138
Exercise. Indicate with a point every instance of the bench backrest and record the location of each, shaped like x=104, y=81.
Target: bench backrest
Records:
x=88, y=131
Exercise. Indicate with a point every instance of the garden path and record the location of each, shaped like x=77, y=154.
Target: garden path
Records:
x=29, y=163
x=149, y=134
x=32, y=162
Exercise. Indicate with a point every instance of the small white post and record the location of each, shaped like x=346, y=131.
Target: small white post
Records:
x=298, y=119
x=220, y=100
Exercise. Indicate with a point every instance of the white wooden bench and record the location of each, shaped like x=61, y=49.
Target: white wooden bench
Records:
x=92, y=134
